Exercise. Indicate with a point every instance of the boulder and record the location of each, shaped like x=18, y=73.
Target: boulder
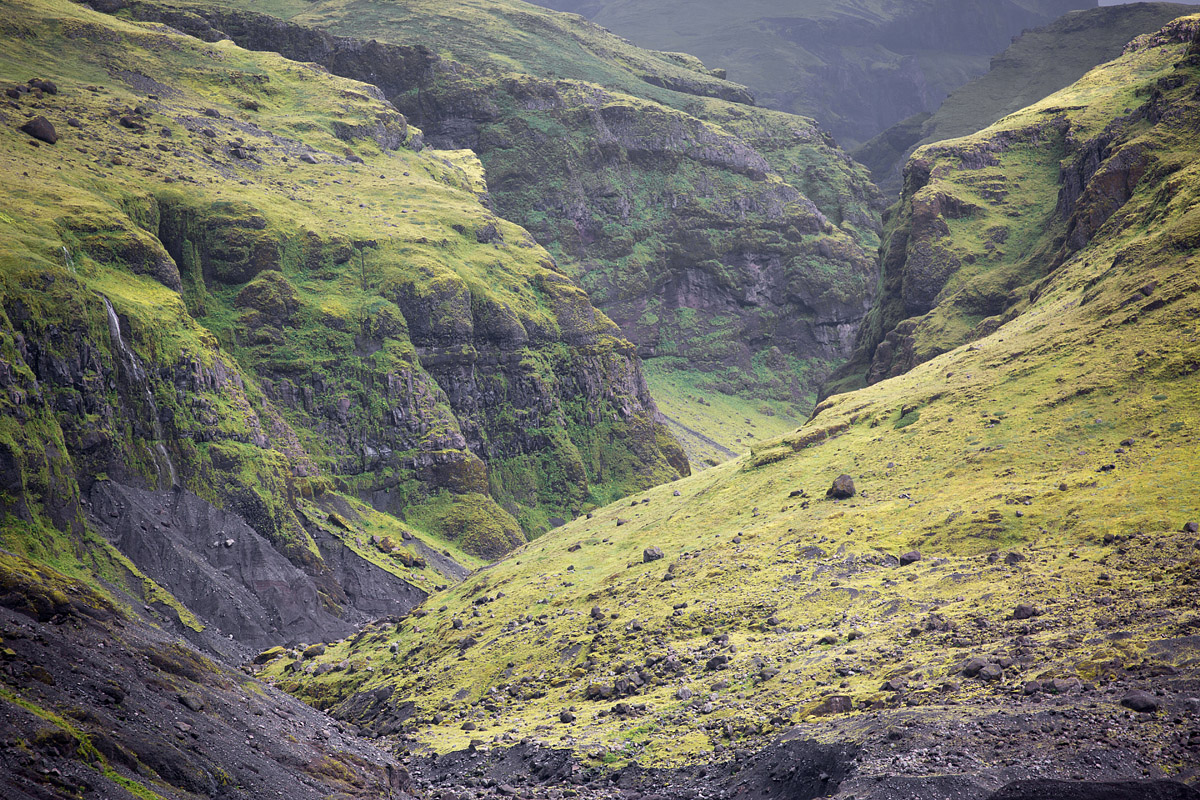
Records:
x=651, y=554
x=1024, y=611
x=834, y=704
x=990, y=673
x=1140, y=701
x=911, y=557
x=842, y=488
x=973, y=667
x=41, y=129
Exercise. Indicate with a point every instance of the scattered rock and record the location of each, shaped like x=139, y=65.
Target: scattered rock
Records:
x=566, y=717
x=1140, y=701
x=191, y=702
x=1063, y=685
x=41, y=129
x=911, y=557
x=312, y=651
x=716, y=663
x=834, y=704
x=1191, y=527
x=842, y=488
x=651, y=554
x=48, y=87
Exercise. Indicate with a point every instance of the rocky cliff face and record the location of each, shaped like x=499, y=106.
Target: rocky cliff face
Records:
x=733, y=243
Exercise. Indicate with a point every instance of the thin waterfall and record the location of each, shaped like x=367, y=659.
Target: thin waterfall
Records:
x=136, y=375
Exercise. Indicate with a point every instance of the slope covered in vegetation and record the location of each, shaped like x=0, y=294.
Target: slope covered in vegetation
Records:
x=230, y=275
x=1015, y=567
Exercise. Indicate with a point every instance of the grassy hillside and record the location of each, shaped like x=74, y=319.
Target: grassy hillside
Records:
x=857, y=66
x=710, y=231
x=1024, y=501
x=227, y=273
x=1038, y=63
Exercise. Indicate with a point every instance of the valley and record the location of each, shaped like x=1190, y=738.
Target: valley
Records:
x=453, y=400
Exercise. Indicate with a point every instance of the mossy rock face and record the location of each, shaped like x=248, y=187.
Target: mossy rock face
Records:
x=125, y=246
x=478, y=525
x=229, y=239
x=270, y=295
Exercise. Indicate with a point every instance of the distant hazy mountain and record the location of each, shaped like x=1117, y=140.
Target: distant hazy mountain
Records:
x=1039, y=63
x=857, y=66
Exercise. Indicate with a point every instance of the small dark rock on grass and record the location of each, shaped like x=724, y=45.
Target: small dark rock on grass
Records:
x=651, y=554
x=911, y=557
x=1024, y=611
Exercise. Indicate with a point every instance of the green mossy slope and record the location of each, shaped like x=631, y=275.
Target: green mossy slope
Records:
x=1051, y=463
